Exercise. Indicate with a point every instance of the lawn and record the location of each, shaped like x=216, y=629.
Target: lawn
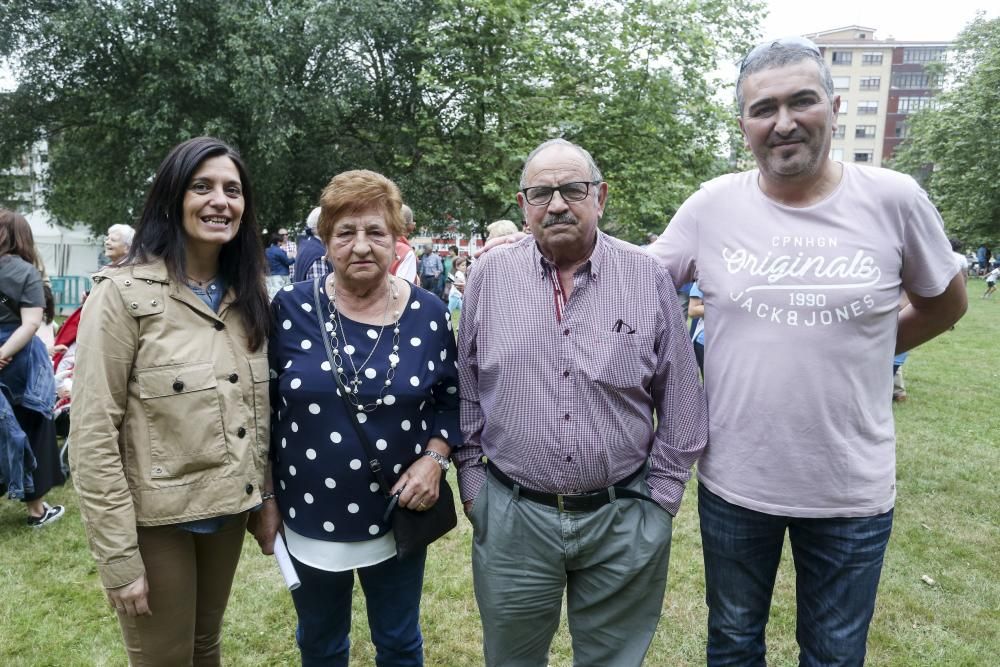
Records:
x=947, y=528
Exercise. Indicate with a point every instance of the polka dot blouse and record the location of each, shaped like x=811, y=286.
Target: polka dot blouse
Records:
x=323, y=484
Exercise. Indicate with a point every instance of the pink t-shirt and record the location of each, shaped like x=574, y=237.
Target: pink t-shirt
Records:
x=800, y=328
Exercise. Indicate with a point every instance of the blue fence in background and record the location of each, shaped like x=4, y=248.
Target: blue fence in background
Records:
x=68, y=291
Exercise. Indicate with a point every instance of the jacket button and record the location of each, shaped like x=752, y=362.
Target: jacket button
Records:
x=241, y=432
x=128, y=283
x=154, y=302
x=249, y=489
x=234, y=378
x=219, y=326
x=134, y=305
x=178, y=385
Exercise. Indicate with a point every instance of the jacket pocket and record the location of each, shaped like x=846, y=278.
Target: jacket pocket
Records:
x=184, y=414
x=260, y=372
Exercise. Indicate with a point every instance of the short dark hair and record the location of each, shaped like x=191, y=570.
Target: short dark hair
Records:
x=160, y=232
x=780, y=53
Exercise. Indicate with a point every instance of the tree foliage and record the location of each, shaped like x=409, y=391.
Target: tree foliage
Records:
x=447, y=97
x=954, y=148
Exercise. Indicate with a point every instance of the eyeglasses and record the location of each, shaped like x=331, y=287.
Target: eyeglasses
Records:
x=540, y=195
x=784, y=41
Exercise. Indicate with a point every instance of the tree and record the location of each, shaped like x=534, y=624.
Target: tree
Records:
x=957, y=140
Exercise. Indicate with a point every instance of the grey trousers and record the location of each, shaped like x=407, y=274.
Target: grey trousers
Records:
x=611, y=562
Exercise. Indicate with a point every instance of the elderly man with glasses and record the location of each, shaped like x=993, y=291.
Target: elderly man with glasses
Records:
x=802, y=262
x=570, y=341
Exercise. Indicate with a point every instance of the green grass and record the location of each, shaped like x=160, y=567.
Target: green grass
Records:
x=52, y=611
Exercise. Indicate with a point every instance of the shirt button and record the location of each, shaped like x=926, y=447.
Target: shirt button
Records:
x=569, y=459
x=234, y=378
x=565, y=374
x=241, y=432
x=565, y=332
x=249, y=489
x=178, y=385
x=219, y=326
x=566, y=416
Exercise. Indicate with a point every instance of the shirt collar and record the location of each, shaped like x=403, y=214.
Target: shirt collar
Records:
x=593, y=263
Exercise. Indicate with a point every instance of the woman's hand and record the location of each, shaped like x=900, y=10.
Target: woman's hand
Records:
x=421, y=482
x=264, y=524
x=131, y=599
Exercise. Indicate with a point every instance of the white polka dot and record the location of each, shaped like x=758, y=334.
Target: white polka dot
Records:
x=373, y=487
x=396, y=468
x=451, y=389
x=444, y=433
x=415, y=305
x=405, y=425
x=423, y=425
x=415, y=381
x=370, y=373
x=335, y=437
x=327, y=526
x=325, y=366
x=291, y=512
x=353, y=508
x=284, y=443
x=381, y=444
x=362, y=418
x=308, y=498
x=389, y=399
x=307, y=307
x=288, y=288
x=422, y=404
x=447, y=314
x=448, y=324
x=430, y=365
x=281, y=482
x=349, y=349
x=311, y=453
x=330, y=483
x=434, y=325
x=373, y=529
x=306, y=344
x=444, y=354
x=295, y=384
x=286, y=325
x=355, y=464
x=291, y=470
x=415, y=342
x=295, y=427
x=314, y=408
x=417, y=449
x=289, y=364
x=372, y=334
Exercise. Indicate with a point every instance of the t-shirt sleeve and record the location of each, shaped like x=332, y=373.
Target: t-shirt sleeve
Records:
x=32, y=293
x=928, y=262
x=676, y=248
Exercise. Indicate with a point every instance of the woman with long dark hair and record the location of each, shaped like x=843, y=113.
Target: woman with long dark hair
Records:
x=170, y=420
x=29, y=456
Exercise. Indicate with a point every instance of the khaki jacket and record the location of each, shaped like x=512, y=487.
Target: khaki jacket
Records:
x=170, y=417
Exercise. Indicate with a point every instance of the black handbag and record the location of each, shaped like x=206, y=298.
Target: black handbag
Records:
x=413, y=530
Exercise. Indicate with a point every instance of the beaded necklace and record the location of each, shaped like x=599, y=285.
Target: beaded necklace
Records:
x=353, y=385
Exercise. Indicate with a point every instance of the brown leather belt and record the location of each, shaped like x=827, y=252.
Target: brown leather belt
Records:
x=573, y=502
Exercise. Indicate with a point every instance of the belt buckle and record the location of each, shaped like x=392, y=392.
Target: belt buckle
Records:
x=559, y=502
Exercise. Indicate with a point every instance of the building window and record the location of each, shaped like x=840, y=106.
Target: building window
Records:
x=901, y=129
x=871, y=58
x=843, y=106
x=923, y=54
x=839, y=132
x=871, y=82
x=864, y=132
x=842, y=57
x=863, y=156
x=917, y=80
x=911, y=104
x=836, y=153
x=867, y=107
x=841, y=82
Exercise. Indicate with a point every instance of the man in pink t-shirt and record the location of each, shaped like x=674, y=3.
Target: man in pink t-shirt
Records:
x=802, y=262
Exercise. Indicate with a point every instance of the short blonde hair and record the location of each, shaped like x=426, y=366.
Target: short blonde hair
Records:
x=500, y=228
x=355, y=191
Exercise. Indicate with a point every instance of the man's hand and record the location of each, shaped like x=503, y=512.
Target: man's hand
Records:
x=499, y=241
x=131, y=599
x=467, y=508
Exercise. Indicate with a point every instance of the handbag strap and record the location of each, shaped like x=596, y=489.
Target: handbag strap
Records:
x=373, y=463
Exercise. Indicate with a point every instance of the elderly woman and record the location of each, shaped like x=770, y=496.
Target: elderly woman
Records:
x=392, y=347
x=27, y=433
x=170, y=438
x=118, y=242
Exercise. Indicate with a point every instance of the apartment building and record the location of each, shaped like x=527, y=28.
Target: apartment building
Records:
x=22, y=184
x=880, y=82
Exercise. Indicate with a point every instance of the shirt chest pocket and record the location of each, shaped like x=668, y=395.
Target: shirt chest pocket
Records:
x=619, y=360
x=184, y=416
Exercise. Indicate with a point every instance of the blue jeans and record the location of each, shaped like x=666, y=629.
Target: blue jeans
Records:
x=837, y=566
x=392, y=595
